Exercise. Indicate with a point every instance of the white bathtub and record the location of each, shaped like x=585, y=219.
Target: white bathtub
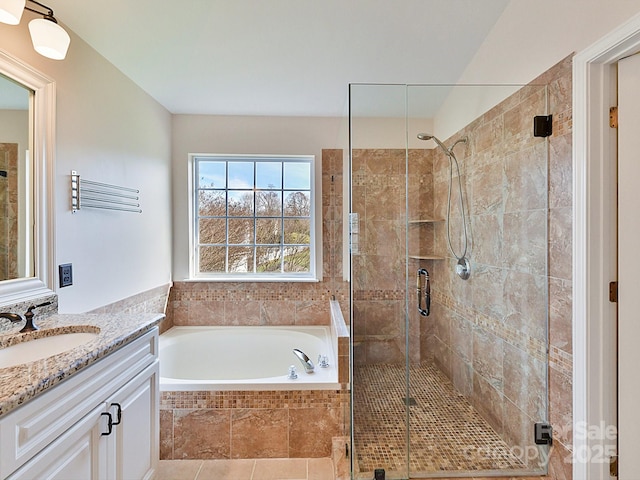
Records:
x=245, y=358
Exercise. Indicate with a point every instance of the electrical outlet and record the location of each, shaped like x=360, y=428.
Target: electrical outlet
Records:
x=66, y=275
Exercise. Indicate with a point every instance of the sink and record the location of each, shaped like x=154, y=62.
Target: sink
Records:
x=43, y=347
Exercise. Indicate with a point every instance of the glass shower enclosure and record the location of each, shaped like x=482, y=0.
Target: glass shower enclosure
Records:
x=449, y=281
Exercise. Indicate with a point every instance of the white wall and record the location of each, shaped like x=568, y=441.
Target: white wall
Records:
x=108, y=130
x=528, y=39
x=251, y=135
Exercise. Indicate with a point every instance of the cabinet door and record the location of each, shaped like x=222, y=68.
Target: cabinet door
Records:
x=78, y=454
x=133, y=446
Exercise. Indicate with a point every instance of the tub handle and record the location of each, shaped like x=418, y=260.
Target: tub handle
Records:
x=427, y=292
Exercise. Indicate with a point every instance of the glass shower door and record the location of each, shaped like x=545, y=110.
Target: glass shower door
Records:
x=379, y=282
x=454, y=381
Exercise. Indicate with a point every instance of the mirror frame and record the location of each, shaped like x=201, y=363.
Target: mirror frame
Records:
x=42, y=107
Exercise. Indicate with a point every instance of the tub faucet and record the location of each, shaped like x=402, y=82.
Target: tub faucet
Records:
x=306, y=361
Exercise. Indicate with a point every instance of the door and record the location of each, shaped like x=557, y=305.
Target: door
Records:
x=628, y=266
x=78, y=454
x=133, y=447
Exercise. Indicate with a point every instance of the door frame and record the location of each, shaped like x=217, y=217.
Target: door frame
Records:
x=594, y=243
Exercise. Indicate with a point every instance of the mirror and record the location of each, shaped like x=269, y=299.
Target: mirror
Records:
x=16, y=248
x=27, y=133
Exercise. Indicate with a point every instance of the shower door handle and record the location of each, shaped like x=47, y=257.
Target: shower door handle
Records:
x=427, y=292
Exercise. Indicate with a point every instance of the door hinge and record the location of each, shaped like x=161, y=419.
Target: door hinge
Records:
x=613, y=292
x=613, y=117
x=542, y=125
x=613, y=466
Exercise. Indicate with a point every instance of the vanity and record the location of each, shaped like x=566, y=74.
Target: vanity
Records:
x=78, y=397
x=89, y=412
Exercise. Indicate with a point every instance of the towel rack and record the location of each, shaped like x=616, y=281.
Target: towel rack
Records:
x=90, y=194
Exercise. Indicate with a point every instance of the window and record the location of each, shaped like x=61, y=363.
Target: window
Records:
x=253, y=217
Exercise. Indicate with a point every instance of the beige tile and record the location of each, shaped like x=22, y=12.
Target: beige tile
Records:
x=166, y=434
x=320, y=469
x=178, y=469
x=259, y=433
x=227, y=469
x=280, y=469
x=311, y=431
x=202, y=433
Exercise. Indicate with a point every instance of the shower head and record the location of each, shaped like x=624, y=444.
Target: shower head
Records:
x=448, y=151
x=428, y=136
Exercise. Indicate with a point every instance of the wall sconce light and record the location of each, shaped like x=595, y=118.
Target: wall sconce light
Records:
x=49, y=39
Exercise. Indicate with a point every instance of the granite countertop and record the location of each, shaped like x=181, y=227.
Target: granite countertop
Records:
x=21, y=383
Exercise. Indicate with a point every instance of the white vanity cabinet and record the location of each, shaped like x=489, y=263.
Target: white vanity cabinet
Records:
x=101, y=423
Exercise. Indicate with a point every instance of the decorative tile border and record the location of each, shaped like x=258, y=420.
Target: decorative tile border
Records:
x=557, y=358
x=253, y=399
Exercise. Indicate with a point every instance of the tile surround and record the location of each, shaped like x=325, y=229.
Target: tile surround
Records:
x=504, y=307
x=264, y=424
x=251, y=424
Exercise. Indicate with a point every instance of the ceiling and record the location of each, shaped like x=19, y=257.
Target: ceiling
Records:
x=279, y=57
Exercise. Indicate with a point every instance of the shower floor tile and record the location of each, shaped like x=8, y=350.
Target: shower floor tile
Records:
x=445, y=430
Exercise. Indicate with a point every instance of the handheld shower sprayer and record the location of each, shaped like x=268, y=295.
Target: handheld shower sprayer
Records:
x=463, y=268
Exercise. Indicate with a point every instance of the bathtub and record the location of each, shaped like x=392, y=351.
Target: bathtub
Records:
x=245, y=358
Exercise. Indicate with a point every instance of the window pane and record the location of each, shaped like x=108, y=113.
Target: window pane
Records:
x=240, y=204
x=268, y=259
x=269, y=175
x=240, y=259
x=268, y=231
x=212, y=259
x=212, y=175
x=297, y=175
x=240, y=231
x=241, y=175
x=212, y=230
x=297, y=231
x=297, y=204
x=253, y=214
x=211, y=203
x=297, y=259
x=268, y=204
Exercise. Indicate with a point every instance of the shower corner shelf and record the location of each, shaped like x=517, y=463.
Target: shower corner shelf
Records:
x=426, y=257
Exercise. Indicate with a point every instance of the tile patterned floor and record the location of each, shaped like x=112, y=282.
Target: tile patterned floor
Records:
x=445, y=428
x=261, y=469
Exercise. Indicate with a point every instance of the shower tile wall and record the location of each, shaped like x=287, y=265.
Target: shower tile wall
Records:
x=9, y=211
x=489, y=334
x=263, y=303
x=379, y=187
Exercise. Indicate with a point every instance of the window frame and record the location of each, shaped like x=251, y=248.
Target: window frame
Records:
x=194, y=245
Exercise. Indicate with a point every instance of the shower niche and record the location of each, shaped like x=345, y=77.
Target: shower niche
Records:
x=443, y=176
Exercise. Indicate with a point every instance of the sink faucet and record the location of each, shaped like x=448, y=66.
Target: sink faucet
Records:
x=306, y=361
x=28, y=316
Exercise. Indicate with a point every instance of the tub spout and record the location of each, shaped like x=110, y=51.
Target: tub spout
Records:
x=306, y=361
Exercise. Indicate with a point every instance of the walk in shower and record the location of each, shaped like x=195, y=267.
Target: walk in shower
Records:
x=449, y=283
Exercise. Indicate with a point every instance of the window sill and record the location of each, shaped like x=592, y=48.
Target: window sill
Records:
x=251, y=279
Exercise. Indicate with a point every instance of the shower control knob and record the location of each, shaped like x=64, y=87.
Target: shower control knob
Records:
x=292, y=373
